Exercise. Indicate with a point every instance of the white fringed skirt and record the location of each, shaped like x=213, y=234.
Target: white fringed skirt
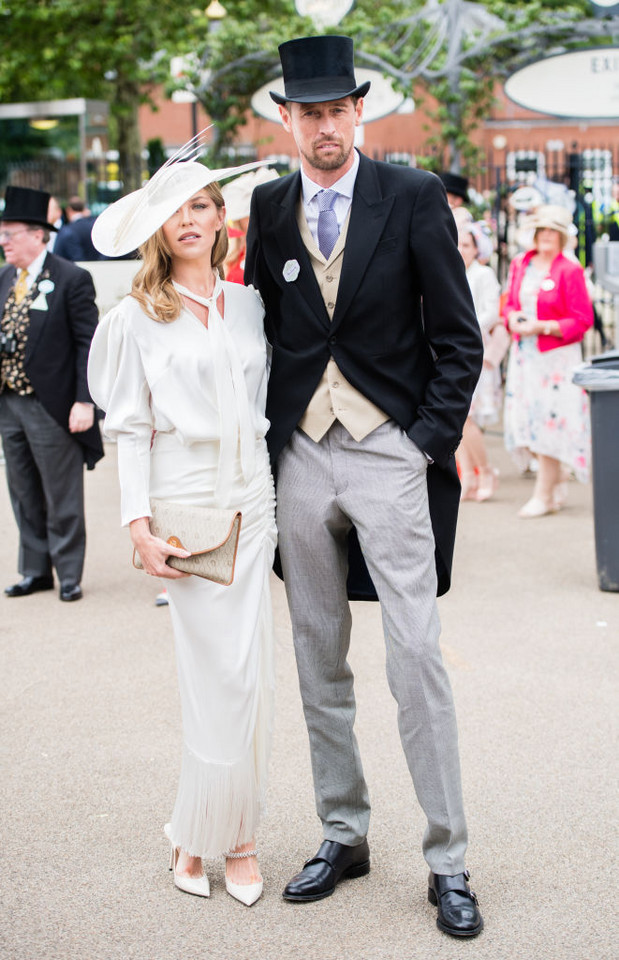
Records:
x=224, y=654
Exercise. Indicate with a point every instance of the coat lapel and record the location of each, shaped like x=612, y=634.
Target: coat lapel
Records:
x=38, y=318
x=368, y=215
x=286, y=236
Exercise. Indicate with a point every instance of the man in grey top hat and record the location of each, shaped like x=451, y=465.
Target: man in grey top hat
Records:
x=47, y=419
x=367, y=398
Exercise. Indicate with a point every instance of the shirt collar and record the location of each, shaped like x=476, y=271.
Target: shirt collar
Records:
x=36, y=266
x=345, y=185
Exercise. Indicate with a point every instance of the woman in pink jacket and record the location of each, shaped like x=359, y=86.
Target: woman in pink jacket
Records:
x=548, y=311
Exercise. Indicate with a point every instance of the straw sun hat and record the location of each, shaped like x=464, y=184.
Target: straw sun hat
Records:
x=550, y=216
x=130, y=221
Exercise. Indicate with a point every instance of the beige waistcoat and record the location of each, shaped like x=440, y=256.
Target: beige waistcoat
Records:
x=335, y=398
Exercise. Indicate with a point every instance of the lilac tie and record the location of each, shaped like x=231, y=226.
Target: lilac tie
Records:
x=328, y=230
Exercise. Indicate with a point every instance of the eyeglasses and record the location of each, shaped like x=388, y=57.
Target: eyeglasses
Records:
x=9, y=234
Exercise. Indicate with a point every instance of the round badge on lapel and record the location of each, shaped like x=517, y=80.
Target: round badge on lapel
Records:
x=291, y=270
x=46, y=286
x=548, y=284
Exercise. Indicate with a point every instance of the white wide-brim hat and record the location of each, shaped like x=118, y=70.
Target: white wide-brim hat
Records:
x=237, y=193
x=550, y=216
x=525, y=198
x=129, y=222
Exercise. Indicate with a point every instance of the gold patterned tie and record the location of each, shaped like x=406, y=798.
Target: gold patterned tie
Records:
x=21, y=287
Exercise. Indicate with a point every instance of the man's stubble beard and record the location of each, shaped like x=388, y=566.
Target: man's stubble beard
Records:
x=334, y=162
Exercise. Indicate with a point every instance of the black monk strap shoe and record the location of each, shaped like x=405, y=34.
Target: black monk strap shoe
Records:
x=30, y=585
x=70, y=591
x=333, y=862
x=458, y=913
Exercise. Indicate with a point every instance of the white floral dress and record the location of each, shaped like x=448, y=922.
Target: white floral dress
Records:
x=545, y=413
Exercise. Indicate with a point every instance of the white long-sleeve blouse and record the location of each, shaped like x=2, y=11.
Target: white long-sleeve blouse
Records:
x=181, y=377
x=485, y=290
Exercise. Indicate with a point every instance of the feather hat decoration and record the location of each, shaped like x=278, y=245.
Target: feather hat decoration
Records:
x=130, y=221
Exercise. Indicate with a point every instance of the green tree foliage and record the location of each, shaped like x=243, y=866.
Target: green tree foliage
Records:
x=413, y=40
x=117, y=50
x=113, y=50
x=229, y=59
x=525, y=31
x=237, y=55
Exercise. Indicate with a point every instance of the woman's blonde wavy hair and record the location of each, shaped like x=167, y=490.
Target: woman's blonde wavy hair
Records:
x=152, y=285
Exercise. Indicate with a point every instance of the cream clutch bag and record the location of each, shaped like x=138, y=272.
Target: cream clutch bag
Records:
x=211, y=535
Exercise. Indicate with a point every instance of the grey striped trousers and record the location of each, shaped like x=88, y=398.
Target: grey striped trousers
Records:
x=379, y=486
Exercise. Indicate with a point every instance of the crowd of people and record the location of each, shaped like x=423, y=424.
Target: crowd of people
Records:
x=353, y=342
x=533, y=336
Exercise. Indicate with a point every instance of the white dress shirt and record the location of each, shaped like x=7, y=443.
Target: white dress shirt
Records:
x=344, y=188
x=34, y=269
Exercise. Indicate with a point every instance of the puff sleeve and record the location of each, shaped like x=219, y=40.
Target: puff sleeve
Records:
x=118, y=386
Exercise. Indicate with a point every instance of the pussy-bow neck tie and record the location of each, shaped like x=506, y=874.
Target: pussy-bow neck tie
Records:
x=235, y=421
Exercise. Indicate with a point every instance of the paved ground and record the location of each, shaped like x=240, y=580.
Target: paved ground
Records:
x=91, y=743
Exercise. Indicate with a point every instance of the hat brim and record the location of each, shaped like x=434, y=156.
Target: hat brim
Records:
x=34, y=223
x=456, y=185
x=535, y=223
x=129, y=222
x=455, y=192
x=320, y=96
x=549, y=217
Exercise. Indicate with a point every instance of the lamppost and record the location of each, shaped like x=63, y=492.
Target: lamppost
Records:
x=499, y=142
x=215, y=13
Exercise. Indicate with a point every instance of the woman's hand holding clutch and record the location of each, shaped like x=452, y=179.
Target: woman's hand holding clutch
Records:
x=154, y=552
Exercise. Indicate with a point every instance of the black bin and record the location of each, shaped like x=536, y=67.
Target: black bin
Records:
x=600, y=378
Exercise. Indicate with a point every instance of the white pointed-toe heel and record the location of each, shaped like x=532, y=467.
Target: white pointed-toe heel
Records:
x=198, y=886
x=246, y=893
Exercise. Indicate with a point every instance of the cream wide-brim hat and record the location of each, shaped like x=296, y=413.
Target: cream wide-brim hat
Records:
x=128, y=223
x=550, y=216
x=237, y=193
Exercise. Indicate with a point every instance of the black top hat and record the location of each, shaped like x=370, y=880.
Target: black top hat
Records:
x=455, y=184
x=317, y=69
x=24, y=205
